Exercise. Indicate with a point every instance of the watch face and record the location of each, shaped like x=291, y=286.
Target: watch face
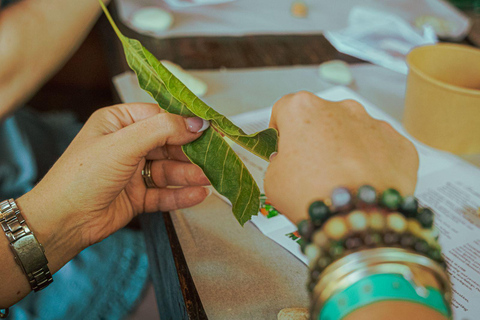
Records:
x=29, y=252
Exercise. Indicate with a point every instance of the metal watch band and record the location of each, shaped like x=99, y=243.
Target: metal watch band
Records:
x=29, y=253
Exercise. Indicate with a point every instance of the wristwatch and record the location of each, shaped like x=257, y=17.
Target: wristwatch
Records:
x=29, y=253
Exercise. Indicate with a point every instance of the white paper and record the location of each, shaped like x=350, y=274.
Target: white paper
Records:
x=454, y=195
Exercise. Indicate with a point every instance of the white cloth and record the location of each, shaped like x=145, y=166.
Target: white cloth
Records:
x=250, y=17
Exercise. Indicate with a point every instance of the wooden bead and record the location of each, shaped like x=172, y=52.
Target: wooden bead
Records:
x=335, y=228
x=320, y=239
x=357, y=220
x=414, y=227
x=396, y=222
x=376, y=221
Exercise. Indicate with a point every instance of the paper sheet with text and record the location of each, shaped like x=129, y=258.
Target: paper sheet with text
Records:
x=447, y=184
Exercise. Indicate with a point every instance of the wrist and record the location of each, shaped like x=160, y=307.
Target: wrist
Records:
x=58, y=234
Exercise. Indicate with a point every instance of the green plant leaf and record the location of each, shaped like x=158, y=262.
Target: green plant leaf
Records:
x=226, y=172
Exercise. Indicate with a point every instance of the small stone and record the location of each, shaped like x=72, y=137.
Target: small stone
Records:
x=305, y=229
x=353, y=243
x=293, y=314
x=336, y=71
x=409, y=206
x=391, y=238
x=335, y=228
x=196, y=85
x=372, y=239
x=319, y=212
x=396, y=222
x=152, y=20
x=357, y=221
x=299, y=9
x=442, y=27
x=367, y=194
x=341, y=198
x=425, y=217
x=391, y=199
x=320, y=239
x=376, y=220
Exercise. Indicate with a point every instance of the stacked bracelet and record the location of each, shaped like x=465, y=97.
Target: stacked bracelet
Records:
x=348, y=222
x=366, y=234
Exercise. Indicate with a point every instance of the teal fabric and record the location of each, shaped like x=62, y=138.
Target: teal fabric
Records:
x=104, y=281
x=376, y=288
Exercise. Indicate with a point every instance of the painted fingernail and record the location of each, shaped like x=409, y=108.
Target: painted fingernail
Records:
x=208, y=191
x=273, y=155
x=196, y=125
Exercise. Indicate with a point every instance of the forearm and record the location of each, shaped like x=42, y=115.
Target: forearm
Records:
x=57, y=237
x=36, y=38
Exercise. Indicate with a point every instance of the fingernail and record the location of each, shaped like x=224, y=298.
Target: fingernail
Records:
x=208, y=191
x=273, y=155
x=196, y=125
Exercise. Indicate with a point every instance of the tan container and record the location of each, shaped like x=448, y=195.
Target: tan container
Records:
x=442, y=103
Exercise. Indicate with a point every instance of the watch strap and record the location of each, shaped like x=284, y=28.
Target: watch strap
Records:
x=29, y=253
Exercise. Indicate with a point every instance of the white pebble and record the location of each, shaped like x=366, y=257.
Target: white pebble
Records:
x=336, y=71
x=197, y=86
x=152, y=19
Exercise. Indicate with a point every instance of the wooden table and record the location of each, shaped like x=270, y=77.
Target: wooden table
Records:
x=177, y=296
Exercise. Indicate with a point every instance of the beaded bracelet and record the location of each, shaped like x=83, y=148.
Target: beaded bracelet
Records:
x=349, y=222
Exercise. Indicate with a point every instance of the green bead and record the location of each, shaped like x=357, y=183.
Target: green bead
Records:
x=372, y=239
x=425, y=217
x=303, y=244
x=367, y=194
x=435, y=254
x=391, y=199
x=319, y=212
x=409, y=206
x=336, y=251
x=421, y=246
x=305, y=229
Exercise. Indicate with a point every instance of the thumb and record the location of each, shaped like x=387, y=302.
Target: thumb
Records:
x=138, y=139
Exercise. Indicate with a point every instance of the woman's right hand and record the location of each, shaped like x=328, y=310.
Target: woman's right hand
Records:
x=324, y=145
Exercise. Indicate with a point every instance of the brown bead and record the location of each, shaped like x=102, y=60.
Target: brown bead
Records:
x=353, y=243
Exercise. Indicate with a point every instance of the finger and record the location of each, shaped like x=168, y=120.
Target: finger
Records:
x=139, y=138
x=177, y=173
x=168, y=199
x=167, y=152
x=114, y=118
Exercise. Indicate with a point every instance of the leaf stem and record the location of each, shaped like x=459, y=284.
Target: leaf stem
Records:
x=109, y=17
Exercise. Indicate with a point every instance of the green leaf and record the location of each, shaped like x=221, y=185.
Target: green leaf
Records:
x=221, y=165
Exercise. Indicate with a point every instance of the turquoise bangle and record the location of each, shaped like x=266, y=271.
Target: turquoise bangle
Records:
x=376, y=288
